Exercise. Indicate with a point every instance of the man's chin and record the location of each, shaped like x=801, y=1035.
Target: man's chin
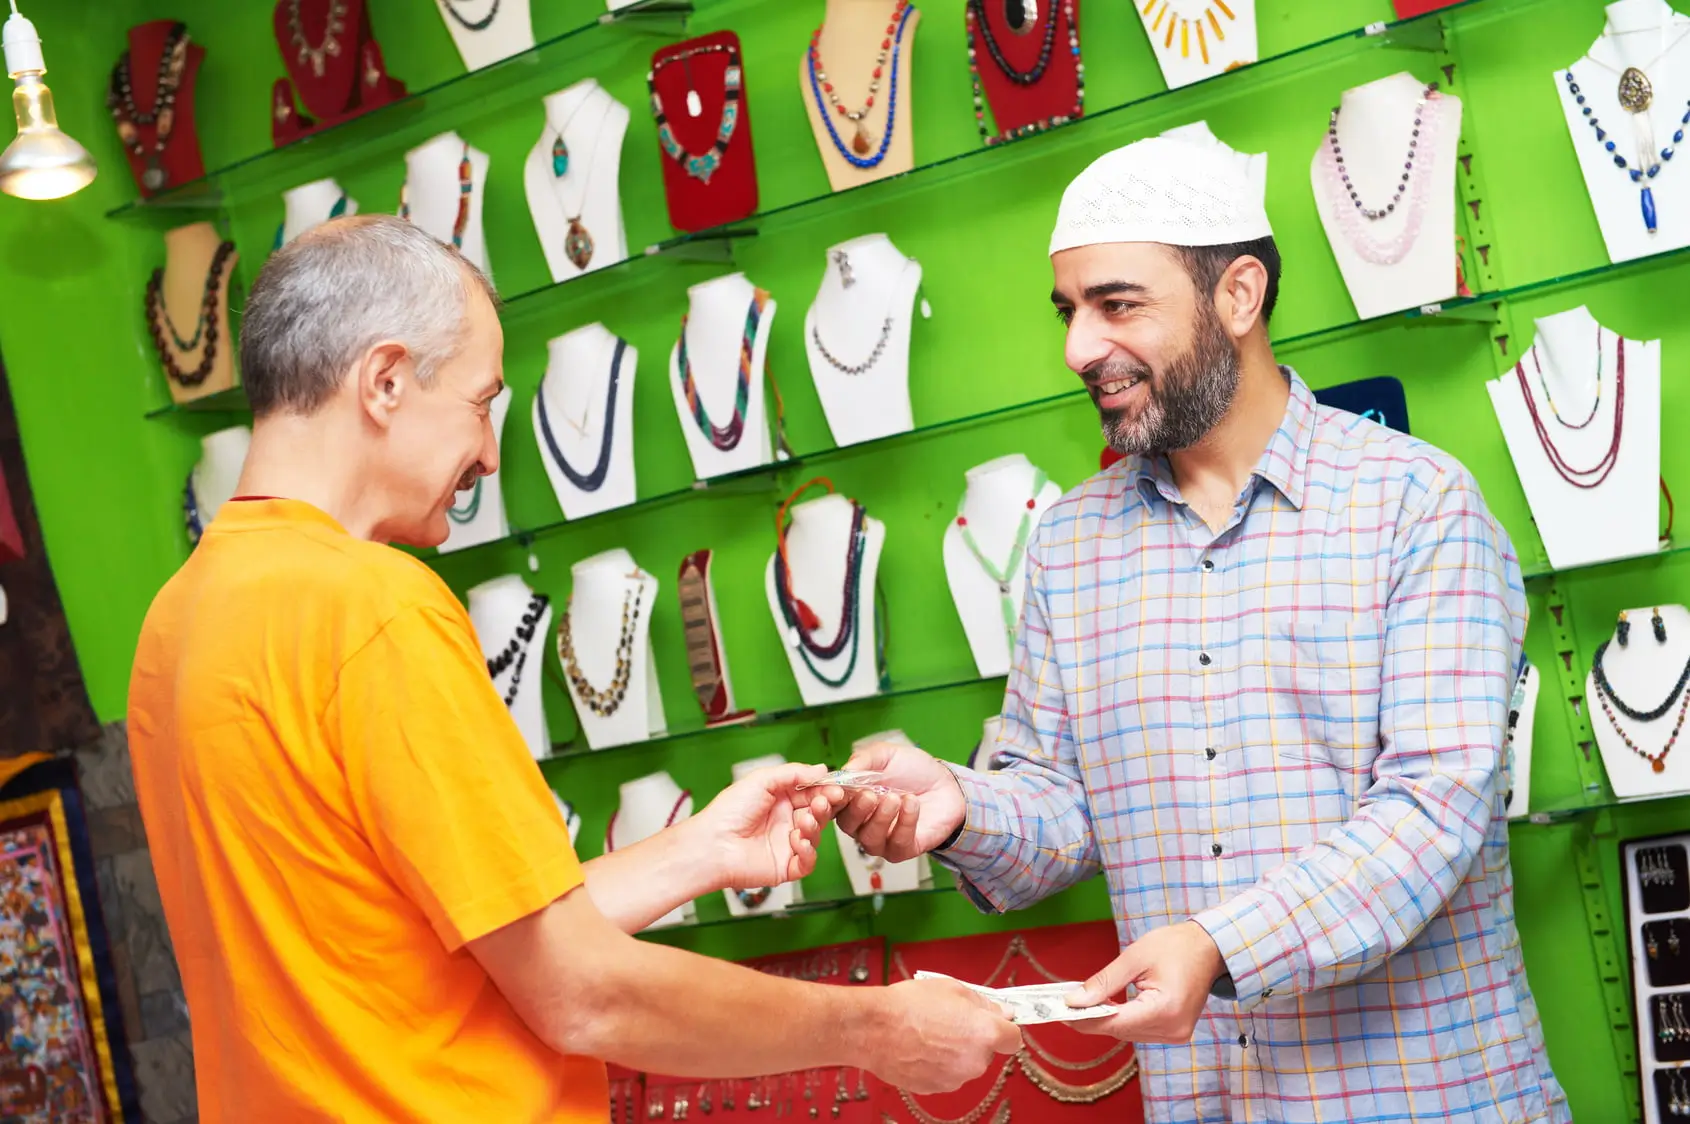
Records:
x=432, y=534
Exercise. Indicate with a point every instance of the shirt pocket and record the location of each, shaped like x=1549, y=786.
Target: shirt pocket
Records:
x=1324, y=675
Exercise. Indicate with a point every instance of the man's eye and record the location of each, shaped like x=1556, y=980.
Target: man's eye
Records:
x=1066, y=315
x=1117, y=308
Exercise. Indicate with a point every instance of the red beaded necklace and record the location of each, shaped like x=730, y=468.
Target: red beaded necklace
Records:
x=610, y=828
x=1586, y=478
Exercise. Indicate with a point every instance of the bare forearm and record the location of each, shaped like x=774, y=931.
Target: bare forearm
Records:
x=634, y=886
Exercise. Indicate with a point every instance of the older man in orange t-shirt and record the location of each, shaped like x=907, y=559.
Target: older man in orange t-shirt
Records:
x=373, y=897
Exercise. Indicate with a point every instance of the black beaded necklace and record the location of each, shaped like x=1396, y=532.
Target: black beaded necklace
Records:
x=207, y=327
x=977, y=18
x=120, y=100
x=516, y=652
x=589, y=481
x=1631, y=712
x=467, y=24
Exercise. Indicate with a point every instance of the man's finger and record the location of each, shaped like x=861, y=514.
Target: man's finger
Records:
x=873, y=757
x=900, y=844
x=806, y=824
x=1111, y=981
x=873, y=834
x=1009, y=1038
x=857, y=812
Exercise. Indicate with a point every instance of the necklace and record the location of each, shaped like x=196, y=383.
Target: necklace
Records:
x=1605, y=694
x=1635, y=96
x=856, y=153
x=1601, y=676
x=466, y=187
x=842, y=260
x=481, y=24
x=318, y=55
x=669, y=820
x=1005, y=574
x=514, y=656
x=578, y=242
x=1580, y=477
x=191, y=512
x=335, y=212
x=591, y=481
x=606, y=702
x=1430, y=92
x=725, y=437
x=751, y=899
x=207, y=328
x=120, y=100
x=467, y=513
x=1355, y=219
x=1543, y=386
x=1163, y=10
x=800, y=618
x=976, y=19
x=704, y=166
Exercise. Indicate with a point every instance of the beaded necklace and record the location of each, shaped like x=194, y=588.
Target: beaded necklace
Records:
x=978, y=22
x=603, y=702
x=467, y=24
x=724, y=437
x=319, y=54
x=191, y=512
x=1635, y=94
x=466, y=186
x=704, y=166
x=1367, y=244
x=514, y=656
x=1004, y=576
x=669, y=821
x=207, y=327
x=467, y=513
x=1593, y=476
x=800, y=618
x=1543, y=386
x=842, y=261
x=335, y=212
x=856, y=153
x=120, y=100
x=1605, y=694
x=591, y=481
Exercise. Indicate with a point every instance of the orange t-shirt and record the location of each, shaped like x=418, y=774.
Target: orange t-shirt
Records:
x=337, y=800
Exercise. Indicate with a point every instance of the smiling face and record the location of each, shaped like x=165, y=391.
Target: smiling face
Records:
x=1159, y=364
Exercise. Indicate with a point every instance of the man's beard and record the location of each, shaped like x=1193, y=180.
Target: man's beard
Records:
x=1184, y=404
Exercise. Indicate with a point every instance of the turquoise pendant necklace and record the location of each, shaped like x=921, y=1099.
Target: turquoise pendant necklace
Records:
x=468, y=512
x=335, y=212
x=1004, y=576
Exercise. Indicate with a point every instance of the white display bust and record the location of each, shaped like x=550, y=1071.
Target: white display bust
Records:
x=1649, y=35
x=312, y=203
x=1375, y=128
x=1643, y=673
x=433, y=190
x=773, y=899
x=1254, y=165
x=602, y=585
x=862, y=316
x=852, y=34
x=870, y=875
x=213, y=479
x=995, y=504
x=648, y=805
x=497, y=608
x=579, y=402
x=717, y=318
x=1617, y=519
x=1197, y=39
x=479, y=517
x=486, y=31
x=592, y=125
x=818, y=546
x=985, y=753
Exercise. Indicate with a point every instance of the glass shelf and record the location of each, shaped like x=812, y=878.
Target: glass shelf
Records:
x=574, y=750
x=801, y=909
x=1666, y=551
x=230, y=401
x=1587, y=803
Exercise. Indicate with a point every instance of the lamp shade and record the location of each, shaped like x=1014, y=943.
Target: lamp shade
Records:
x=41, y=162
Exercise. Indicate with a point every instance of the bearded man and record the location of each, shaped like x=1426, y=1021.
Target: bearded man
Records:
x=1261, y=682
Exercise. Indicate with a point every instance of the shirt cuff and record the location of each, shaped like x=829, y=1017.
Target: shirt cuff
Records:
x=977, y=852
x=1251, y=932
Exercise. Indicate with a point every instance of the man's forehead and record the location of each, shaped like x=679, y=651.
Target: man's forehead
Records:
x=1133, y=263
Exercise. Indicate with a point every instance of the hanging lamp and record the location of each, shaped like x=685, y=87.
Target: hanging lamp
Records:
x=41, y=162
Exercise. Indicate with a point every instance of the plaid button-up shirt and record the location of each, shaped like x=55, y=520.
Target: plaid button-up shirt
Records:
x=1290, y=731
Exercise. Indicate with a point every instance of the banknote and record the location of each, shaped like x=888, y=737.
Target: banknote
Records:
x=850, y=778
x=1032, y=1004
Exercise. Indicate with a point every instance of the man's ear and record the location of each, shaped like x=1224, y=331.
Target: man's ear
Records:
x=1241, y=295
x=384, y=375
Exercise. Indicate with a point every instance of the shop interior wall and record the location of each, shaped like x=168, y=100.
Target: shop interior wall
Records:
x=108, y=483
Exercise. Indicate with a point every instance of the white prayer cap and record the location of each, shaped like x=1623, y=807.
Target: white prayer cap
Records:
x=1160, y=190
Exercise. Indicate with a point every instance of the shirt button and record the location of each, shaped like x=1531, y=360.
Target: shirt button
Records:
x=1203, y=658
x=1216, y=850
x=1243, y=1039
x=1209, y=752
x=1208, y=565
x=1267, y=993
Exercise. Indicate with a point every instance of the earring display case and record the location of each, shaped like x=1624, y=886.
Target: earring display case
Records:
x=1657, y=882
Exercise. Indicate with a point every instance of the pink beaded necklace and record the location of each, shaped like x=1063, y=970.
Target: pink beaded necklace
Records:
x=1353, y=221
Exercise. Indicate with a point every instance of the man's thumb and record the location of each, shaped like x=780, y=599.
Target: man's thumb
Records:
x=1108, y=983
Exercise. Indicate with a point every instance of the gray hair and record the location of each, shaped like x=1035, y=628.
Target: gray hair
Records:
x=337, y=290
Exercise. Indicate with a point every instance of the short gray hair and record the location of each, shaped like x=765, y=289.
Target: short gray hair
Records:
x=334, y=292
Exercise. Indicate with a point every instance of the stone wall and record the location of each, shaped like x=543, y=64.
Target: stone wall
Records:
x=155, y=1015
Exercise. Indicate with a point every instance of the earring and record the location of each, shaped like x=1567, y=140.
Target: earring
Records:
x=1660, y=626
x=1672, y=937
x=1622, y=631
x=1649, y=944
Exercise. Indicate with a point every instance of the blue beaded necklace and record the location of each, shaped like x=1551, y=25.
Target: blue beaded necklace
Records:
x=1634, y=96
x=891, y=102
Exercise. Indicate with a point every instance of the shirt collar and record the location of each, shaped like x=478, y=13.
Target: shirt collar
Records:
x=268, y=513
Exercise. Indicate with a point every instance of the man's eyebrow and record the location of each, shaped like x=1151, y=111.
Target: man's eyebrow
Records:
x=1113, y=288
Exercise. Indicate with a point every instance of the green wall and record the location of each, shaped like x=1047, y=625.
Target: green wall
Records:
x=108, y=481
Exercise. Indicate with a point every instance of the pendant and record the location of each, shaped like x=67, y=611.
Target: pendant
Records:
x=578, y=244
x=1659, y=765
x=702, y=167
x=153, y=178
x=860, y=143
x=695, y=104
x=560, y=157
x=1635, y=91
x=1649, y=209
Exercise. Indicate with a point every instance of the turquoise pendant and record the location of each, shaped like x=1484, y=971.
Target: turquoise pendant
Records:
x=560, y=157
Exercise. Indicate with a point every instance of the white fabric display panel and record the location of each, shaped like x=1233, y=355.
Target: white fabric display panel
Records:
x=1658, y=914
x=716, y=331
x=984, y=757
x=648, y=805
x=818, y=547
x=312, y=203
x=585, y=198
x=1001, y=505
x=1650, y=36
x=497, y=608
x=1197, y=39
x=1619, y=517
x=571, y=818
x=583, y=417
x=1522, y=722
x=763, y=899
x=1643, y=673
x=857, y=338
x=434, y=186
x=869, y=875
x=1407, y=258
x=214, y=478
x=479, y=517
x=486, y=31
x=606, y=586
x=1254, y=165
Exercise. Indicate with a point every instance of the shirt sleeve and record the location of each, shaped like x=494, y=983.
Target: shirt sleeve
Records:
x=450, y=798
x=1344, y=905
x=1027, y=830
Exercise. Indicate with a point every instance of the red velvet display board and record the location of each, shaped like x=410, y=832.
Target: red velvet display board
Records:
x=1107, y=1089
x=1407, y=8
x=11, y=535
x=334, y=85
x=1012, y=106
x=731, y=192
x=181, y=158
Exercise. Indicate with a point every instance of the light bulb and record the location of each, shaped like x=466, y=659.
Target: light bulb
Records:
x=41, y=162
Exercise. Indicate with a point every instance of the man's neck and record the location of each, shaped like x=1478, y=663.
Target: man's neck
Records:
x=295, y=458
x=1213, y=472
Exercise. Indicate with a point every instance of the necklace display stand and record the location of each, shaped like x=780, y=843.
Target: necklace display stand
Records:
x=857, y=338
x=1617, y=518
x=1001, y=504
x=214, y=478
x=699, y=100
x=1522, y=721
x=848, y=48
x=586, y=404
x=1197, y=39
x=193, y=293
x=480, y=516
x=647, y=806
x=762, y=899
x=1643, y=672
x=984, y=757
x=497, y=608
x=146, y=83
x=573, y=177
x=571, y=818
x=1407, y=258
x=872, y=876
x=1649, y=36
x=433, y=194
x=818, y=550
x=486, y=31
x=1253, y=165
x=720, y=322
x=607, y=627
x=334, y=65
x=707, y=657
x=1025, y=59
x=311, y=204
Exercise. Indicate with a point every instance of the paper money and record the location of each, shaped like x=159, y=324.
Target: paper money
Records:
x=1032, y=1004
x=850, y=778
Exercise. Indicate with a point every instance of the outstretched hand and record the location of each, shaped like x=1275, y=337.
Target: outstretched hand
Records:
x=761, y=830
x=1171, y=970
x=924, y=808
